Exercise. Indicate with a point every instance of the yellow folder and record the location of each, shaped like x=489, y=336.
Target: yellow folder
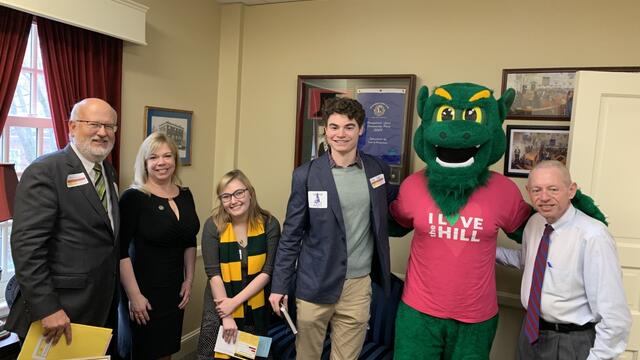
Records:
x=86, y=341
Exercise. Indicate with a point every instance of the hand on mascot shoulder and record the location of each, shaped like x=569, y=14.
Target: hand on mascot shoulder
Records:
x=395, y=229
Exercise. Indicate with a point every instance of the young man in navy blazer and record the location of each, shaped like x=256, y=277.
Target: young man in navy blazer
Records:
x=336, y=233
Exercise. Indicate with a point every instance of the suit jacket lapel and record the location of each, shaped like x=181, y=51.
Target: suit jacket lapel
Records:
x=88, y=190
x=329, y=184
x=114, y=197
x=371, y=169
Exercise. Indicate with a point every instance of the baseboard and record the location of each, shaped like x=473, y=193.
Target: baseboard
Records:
x=509, y=299
x=188, y=345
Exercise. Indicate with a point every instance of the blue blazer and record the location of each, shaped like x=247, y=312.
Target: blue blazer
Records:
x=316, y=237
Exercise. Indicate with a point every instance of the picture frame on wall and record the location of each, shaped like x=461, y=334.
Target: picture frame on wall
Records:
x=176, y=124
x=388, y=103
x=546, y=94
x=528, y=145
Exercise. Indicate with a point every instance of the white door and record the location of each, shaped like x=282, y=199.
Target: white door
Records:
x=604, y=149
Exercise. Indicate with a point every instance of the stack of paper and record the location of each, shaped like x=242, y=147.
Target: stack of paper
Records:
x=87, y=341
x=247, y=346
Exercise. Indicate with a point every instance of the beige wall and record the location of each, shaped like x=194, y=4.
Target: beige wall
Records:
x=177, y=69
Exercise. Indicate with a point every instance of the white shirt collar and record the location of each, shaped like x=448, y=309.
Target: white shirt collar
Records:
x=566, y=218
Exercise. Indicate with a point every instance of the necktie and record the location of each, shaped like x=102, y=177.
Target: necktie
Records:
x=100, y=185
x=532, y=321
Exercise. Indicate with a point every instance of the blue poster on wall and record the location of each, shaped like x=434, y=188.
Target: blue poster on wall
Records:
x=384, y=114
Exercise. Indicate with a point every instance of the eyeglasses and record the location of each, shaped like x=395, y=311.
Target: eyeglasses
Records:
x=96, y=125
x=238, y=194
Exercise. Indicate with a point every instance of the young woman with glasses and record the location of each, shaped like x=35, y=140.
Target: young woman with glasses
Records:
x=238, y=249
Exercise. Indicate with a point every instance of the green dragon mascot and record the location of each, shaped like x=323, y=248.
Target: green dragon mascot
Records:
x=456, y=207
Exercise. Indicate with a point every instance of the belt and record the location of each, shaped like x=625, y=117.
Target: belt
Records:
x=564, y=328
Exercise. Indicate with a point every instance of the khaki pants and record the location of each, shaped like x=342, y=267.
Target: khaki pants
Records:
x=348, y=317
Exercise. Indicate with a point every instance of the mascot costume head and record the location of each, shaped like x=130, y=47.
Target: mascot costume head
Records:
x=459, y=137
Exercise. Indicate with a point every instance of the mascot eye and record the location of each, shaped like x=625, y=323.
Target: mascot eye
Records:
x=445, y=112
x=474, y=114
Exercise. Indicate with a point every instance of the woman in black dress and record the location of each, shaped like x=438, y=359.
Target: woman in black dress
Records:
x=239, y=242
x=158, y=249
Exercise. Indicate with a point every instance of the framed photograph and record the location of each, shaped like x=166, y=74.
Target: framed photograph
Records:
x=545, y=94
x=175, y=123
x=528, y=145
x=388, y=104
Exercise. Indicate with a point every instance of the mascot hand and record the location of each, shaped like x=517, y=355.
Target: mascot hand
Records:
x=516, y=235
x=586, y=204
x=395, y=229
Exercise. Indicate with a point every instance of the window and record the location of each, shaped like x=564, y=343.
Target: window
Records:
x=27, y=134
x=29, y=127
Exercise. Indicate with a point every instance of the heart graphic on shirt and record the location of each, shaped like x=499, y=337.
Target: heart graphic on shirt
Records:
x=452, y=219
x=458, y=238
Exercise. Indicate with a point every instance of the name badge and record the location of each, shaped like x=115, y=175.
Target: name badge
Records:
x=42, y=348
x=377, y=181
x=78, y=179
x=317, y=199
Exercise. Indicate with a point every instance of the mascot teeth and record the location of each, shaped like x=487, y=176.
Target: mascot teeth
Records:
x=469, y=162
x=456, y=158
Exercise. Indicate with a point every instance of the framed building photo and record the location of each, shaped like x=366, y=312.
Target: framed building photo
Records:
x=528, y=145
x=388, y=104
x=175, y=123
x=545, y=94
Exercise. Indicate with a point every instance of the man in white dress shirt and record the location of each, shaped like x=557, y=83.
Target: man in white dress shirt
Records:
x=581, y=311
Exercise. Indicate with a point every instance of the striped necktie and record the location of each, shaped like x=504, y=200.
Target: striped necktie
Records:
x=532, y=321
x=100, y=185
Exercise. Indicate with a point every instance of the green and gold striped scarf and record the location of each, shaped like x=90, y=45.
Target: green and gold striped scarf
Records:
x=253, y=311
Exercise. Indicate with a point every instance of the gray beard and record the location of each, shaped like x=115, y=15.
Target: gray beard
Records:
x=85, y=149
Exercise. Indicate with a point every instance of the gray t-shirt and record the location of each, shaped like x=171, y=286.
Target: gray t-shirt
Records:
x=353, y=191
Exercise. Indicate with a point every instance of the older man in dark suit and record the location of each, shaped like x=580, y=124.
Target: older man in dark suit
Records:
x=65, y=226
x=336, y=232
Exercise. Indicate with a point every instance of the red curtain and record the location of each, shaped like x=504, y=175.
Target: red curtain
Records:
x=79, y=64
x=14, y=35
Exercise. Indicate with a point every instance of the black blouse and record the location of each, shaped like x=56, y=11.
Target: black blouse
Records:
x=154, y=238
